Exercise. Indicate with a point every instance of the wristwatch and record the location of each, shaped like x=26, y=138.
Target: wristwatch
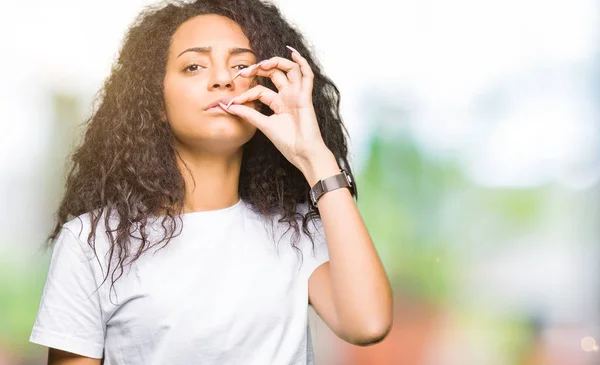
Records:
x=341, y=180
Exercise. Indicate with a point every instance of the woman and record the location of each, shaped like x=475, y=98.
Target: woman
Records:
x=205, y=208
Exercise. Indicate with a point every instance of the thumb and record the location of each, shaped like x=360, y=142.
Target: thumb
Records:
x=252, y=115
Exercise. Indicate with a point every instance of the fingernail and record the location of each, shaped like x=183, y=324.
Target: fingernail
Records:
x=231, y=111
x=249, y=69
x=293, y=50
x=230, y=102
x=238, y=74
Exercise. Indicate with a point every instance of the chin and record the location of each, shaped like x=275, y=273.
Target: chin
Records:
x=218, y=133
x=228, y=128
x=222, y=138
x=223, y=145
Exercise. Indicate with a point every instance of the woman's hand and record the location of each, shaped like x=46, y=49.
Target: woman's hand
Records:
x=293, y=127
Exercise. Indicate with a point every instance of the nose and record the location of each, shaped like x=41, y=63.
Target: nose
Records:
x=221, y=78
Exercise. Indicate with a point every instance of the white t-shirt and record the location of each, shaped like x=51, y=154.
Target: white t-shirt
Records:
x=222, y=292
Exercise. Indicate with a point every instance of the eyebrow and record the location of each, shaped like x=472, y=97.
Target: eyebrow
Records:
x=232, y=51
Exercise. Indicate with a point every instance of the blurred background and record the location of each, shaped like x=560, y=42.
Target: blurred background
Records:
x=475, y=138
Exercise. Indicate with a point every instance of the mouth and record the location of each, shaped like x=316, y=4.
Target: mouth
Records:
x=215, y=103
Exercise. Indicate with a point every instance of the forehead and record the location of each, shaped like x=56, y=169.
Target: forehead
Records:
x=207, y=31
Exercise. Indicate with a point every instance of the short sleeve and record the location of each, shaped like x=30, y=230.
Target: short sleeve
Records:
x=69, y=316
x=313, y=258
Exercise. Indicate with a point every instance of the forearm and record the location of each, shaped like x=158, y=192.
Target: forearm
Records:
x=359, y=285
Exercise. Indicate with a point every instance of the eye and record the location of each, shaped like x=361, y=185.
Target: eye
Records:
x=193, y=68
x=240, y=67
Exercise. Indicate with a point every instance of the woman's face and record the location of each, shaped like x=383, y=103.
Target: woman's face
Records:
x=205, y=53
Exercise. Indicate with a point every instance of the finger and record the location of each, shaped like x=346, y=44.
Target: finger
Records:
x=291, y=68
x=252, y=115
x=307, y=72
x=277, y=76
x=259, y=92
x=279, y=79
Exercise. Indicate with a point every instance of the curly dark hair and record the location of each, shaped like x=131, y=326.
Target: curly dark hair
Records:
x=126, y=163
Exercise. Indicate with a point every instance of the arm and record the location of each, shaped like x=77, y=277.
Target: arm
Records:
x=351, y=293
x=58, y=357
x=70, y=315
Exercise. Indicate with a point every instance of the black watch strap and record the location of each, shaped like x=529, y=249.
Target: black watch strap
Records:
x=341, y=180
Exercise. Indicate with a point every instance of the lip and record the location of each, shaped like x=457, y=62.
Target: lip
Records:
x=215, y=103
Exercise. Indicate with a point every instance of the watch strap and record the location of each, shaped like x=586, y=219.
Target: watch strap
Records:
x=341, y=180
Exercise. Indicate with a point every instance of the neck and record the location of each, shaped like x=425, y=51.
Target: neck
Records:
x=211, y=180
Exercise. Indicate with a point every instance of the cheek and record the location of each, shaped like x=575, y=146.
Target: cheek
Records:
x=180, y=97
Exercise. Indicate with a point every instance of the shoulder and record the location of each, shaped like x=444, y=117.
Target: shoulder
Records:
x=82, y=225
x=76, y=232
x=79, y=226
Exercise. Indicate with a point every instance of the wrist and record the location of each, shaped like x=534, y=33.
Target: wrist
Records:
x=319, y=166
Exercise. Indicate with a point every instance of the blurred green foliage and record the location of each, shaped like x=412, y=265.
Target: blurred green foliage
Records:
x=402, y=196
x=426, y=216
x=21, y=287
